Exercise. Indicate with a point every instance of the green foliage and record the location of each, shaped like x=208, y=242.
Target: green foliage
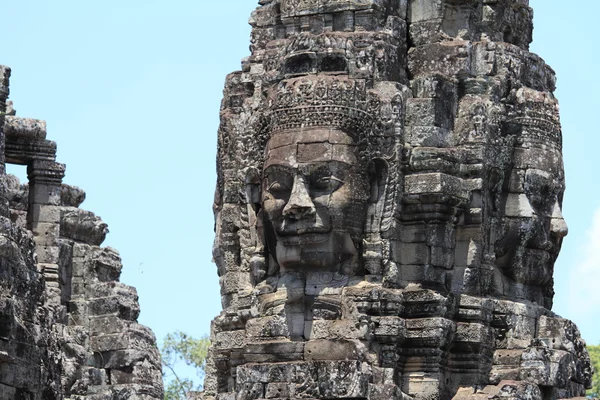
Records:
x=595, y=358
x=178, y=347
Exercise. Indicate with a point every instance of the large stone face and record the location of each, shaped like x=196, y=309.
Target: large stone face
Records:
x=68, y=327
x=388, y=208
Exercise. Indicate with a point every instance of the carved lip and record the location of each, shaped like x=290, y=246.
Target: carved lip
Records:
x=296, y=230
x=550, y=247
x=304, y=238
x=543, y=254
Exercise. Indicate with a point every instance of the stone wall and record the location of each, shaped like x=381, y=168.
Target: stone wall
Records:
x=69, y=327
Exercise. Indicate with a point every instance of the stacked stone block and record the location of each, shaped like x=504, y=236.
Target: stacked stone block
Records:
x=70, y=327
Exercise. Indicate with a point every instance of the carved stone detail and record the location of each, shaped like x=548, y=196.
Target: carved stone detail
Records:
x=388, y=205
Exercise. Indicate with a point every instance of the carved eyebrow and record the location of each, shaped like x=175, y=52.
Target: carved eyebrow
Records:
x=326, y=165
x=310, y=170
x=278, y=168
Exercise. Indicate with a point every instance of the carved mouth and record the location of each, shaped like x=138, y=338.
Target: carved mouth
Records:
x=541, y=255
x=551, y=248
x=297, y=229
x=299, y=239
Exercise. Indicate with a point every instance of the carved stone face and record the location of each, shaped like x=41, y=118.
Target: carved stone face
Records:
x=534, y=225
x=314, y=198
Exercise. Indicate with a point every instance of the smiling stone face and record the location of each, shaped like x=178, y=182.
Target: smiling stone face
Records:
x=314, y=199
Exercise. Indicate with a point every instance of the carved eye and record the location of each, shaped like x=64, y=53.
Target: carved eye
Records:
x=278, y=188
x=327, y=184
x=541, y=192
x=544, y=195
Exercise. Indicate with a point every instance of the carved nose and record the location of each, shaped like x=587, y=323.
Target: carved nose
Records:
x=558, y=225
x=300, y=204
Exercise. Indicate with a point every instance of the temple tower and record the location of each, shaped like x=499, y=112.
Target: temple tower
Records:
x=388, y=208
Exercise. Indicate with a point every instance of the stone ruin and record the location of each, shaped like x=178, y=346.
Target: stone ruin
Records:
x=388, y=208
x=68, y=327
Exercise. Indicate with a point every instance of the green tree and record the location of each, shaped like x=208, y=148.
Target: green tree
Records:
x=595, y=358
x=178, y=347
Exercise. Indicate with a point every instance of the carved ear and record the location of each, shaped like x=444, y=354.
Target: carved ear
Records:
x=253, y=191
x=378, y=180
x=496, y=181
x=252, y=181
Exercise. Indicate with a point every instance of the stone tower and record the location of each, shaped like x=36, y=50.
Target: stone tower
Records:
x=68, y=327
x=388, y=208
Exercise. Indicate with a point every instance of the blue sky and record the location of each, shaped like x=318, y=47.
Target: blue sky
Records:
x=131, y=92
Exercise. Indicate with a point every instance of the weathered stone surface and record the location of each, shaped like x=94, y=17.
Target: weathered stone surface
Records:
x=68, y=326
x=388, y=206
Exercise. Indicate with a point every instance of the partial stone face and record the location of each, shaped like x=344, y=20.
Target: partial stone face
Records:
x=390, y=182
x=534, y=223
